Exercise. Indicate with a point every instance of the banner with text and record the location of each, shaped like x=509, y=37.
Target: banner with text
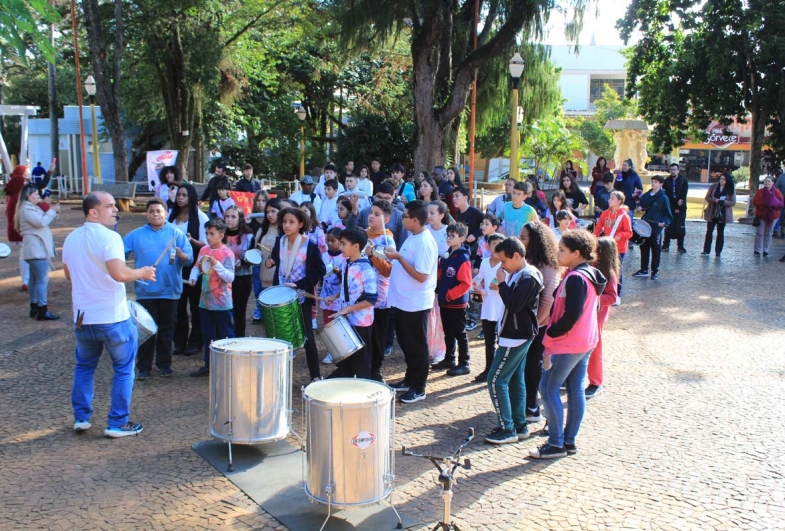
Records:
x=244, y=201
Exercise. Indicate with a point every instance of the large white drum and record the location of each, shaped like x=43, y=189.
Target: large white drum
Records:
x=349, y=446
x=250, y=390
x=145, y=324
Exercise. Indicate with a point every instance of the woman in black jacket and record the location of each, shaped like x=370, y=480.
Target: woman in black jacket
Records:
x=719, y=210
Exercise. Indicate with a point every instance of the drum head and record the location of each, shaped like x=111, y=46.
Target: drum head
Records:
x=347, y=391
x=253, y=256
x=251, y=345
x=142, y=317
x=5, y=250
x=205, y=266
x=642, y=227
x=277, y=296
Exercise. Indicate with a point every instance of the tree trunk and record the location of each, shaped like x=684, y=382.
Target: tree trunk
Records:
x=107, y=79
x=429, y=151
x=54, y=124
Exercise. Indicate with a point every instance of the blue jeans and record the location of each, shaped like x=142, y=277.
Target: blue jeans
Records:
x=569, y=369
x=38, y=281
x=120, y=341
x=216, y=324
x=256, y=277
x=507, y=385
x=621, y=272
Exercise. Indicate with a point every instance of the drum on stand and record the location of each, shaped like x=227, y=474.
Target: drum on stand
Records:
x=340, y=338
x=640, y=231
x=350, y=425
x=250, y=390
x=283, y=318
x=145, y=324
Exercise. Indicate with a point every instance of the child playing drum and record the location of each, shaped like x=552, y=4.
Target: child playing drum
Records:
x=358, y=295
x=299, y=265
x=331, y=284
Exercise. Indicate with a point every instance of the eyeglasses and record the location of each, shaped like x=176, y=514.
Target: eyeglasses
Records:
x=407, y=216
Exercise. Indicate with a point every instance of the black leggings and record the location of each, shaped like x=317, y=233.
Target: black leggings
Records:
x=489, y=331
x=241, y=292
x=189, y=298
x=533, y=370
x=311, y=352
x=720, y=237
x=381, y=321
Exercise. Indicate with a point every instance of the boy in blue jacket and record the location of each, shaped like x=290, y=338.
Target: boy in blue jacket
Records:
x=453, y=283
x=658, y=214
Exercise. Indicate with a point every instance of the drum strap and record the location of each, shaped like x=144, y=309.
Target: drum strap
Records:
x=345, y=294
x=616, y=225
x=290, y=255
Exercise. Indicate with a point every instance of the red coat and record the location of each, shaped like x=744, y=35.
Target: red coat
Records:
x=12, y=190
x=768, y=203
x=608, y=220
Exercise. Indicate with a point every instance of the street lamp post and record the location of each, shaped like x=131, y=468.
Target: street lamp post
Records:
x=301, y=114
x=516, y=71
x=89, y=86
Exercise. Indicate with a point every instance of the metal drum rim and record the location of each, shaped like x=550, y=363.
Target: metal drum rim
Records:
x=251, y=442
x=285, y=347
x=383, y=387
x=357, y=505
x=277, y=304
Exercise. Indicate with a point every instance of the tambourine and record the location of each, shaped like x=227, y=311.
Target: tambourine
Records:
x=253, y=257
x=205, y=266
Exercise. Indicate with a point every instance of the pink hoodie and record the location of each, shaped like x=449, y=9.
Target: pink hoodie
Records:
x=584, y=334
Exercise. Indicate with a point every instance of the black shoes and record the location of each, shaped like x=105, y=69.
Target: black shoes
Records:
x=460, y=370
x=33, y=310
x=445, y=364
x=45, y=315
x=655, y=275
x=682, y=250
x=641, y=273
x=483, y=376
x=201, y=371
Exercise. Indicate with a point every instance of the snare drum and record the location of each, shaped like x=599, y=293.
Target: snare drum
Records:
x=340, y=338
x=250, y=390
x=145, y=324
x=283, y=318
x=640, y=231
x=5, y=250
x=349, y=447
x=253, y=256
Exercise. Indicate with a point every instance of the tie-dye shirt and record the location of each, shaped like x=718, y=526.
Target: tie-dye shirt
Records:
x=316, y=236
x=217, y=285
x=483, y=248
x=238, y=244
x=359, y=284
x=382, y=282
x=298, y=269
x=331, y=284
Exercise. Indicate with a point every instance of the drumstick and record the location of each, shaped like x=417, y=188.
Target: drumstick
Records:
x=164, y=251
x=309, y=295
x=259, y=245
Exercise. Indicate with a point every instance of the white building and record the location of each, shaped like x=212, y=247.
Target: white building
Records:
x=585, y=73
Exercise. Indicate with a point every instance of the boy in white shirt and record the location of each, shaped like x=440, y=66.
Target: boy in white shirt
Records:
x=485, y=286
x=351, y=189
x=328, y=213
x=329, y=174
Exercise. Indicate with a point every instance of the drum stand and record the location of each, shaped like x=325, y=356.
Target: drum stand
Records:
x=446, y=478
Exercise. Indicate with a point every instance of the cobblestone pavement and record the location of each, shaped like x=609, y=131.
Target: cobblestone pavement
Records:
x=684, y=437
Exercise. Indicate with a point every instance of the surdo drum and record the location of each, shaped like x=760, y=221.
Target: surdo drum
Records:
x=145, y=324
x=340, y=339
x=350, y=425
x=283, y=318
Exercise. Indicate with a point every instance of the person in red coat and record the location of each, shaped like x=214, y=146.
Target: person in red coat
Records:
x=18, y=179
x=767, y=201
x=600, y=169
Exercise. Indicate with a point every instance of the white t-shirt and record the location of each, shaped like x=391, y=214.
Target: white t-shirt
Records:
x=328, y=214
x=405, y=292
x=492, y=305
x=440, y=237
x=202, y=232
x=365, y=185
x=93, y=291
x=506, y=341
x=319, y=190
x=301, y=198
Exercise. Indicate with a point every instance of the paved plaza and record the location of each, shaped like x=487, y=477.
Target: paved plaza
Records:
x=686, y=435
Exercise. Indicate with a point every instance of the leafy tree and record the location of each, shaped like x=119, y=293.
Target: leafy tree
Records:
x=700, y=61
x=592, y=128
x=19, y=20
x=550, y=140
x=443, y=59
x=371, y=135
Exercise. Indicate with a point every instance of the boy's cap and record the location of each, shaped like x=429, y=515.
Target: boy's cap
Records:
x=307, y=180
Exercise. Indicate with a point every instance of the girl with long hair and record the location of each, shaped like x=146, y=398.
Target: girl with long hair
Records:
x=541, y=252
x=187, y=217
x=599, y=169
x=438, y=219
x=260, y=200
x=315, y=230
x=608, y=262
x=719, y=210
x=239, y=239
x=428, y=191
x=576, y=199
x=265, y=239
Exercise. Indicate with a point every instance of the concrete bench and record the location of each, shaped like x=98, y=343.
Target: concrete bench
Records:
x=123, y=193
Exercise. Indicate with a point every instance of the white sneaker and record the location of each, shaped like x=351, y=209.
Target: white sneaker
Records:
x=82, y=425
x=314, y=324
x=328, y=358
x=618, y=302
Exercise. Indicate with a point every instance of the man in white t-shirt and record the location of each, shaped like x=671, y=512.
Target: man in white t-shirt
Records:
x=306, y=193
x=94, y=262
x=412, y=287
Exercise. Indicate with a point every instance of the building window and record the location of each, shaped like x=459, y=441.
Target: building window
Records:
x=597, y=87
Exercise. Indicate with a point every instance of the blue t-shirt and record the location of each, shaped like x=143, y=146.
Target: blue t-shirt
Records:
x=513, y=219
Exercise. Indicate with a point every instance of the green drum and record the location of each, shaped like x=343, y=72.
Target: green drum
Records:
x=283, y=318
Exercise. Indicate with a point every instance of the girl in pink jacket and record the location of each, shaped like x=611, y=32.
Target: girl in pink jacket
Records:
x=571, y=335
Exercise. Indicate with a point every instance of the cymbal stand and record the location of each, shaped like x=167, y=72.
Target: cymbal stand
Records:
x=447, y=466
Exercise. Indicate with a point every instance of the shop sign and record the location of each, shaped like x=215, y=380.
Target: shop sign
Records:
x=718, y=137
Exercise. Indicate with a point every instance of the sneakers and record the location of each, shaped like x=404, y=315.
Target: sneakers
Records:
x=546, y=451
x=705, y=253
x=481, y=336
x=522, y=432
x=501, y=436
x=765, y=253
x=411, y=396
x=167, y=372
x=756, y=253
x=82, y=425
x=443, y=365
x=124, y=431
x=193, y=349
x=328, y=358
x=655, y=275
x=641, y=273
x=314, y=324
x=142, y=375
x=470, y=325
x=387, y=351
x=257, y=316
x=201, y=371
x=592, y=391
x=617, y=302
x=460, y=370
x=533, y=415
x=316, y=379
x=482, y=377
x=782, y=259
x=400, y=387
x=682, y=250
x=571, y=449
